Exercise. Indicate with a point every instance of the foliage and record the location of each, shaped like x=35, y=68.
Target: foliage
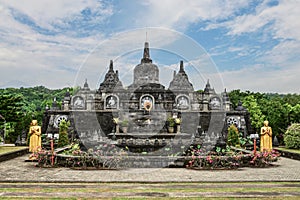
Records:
x=276, y=113
x=279, y=109
x=293, y=113
x=221, y=159
x=63, y=139
x=227, y=159
x=256, y=115
x=20, y=105
x=104, y=156
x=233, y=136
x=124, y=123
x=171, y=121
x=116, y=120
x=177, y=120
x=44, y=158
x=292, y=136
x=243, y=141
x=11, y=106
x=11, y=113
x=263, y=159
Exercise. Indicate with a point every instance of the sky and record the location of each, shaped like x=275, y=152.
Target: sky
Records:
x=237, y=44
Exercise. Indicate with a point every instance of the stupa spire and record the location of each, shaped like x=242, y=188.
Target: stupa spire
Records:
x=181, y=69
x=111, y=66
x=146, y=57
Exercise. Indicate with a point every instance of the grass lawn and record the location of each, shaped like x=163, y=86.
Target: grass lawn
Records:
x=6, y=149
x=238, y=190
x=289, y=150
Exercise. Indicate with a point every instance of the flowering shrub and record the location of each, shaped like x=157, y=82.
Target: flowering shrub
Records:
x=104, y=156
x=44, y=158
x=263, y=159
x=226, y=159
x=220, y=159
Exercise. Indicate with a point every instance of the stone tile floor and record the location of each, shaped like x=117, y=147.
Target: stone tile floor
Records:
x=16, y=170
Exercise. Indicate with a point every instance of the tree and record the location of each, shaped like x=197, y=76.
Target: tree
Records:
x=235, y=96
x=272, y=107
x=63, y=139
x=295, y=114
x=11, y=107
x=256, y=115
x=233, y=136
x=11, y=114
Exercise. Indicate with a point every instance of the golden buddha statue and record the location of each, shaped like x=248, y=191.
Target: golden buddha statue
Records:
x=35, y=137
x=266, y=137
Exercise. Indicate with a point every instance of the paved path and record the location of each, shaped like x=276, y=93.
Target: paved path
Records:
x=16, y=170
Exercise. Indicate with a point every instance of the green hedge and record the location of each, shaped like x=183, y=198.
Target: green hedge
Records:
x=292, y=137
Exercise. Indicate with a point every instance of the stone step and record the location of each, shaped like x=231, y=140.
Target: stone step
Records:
x=152, y=162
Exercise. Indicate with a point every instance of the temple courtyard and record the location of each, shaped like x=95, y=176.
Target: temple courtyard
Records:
x=19, y=179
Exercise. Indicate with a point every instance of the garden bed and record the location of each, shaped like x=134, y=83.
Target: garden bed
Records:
x=229, y=158
x=289, y=153
x=9, y=152
x=110, y=157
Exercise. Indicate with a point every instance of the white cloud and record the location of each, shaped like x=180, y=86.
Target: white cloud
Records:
x=51, y=58
x=54, y=38
x=48, y=13
x=179, y=14
x=283, y=17
x=126, y=49
x=258, y=78
x=286, y=52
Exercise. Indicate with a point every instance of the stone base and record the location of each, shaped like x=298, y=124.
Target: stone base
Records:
x=152, y=162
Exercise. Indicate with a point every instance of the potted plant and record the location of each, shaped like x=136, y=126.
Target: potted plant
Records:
x=171, y=124
x=233, y=136
x=124, y=125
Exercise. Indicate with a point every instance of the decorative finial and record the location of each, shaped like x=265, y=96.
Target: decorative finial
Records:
x=86, y=85
x=111, y=66
x=181, y=69
x=146, y=37
x=146, y=57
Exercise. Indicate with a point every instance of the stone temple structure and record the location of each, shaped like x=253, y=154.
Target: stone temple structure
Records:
x=147, y=108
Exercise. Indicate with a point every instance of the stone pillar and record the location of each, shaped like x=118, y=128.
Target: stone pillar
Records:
x=178, y=128
x=66, y=105
x=89, y=104
x=205, y=105
x=227, y=105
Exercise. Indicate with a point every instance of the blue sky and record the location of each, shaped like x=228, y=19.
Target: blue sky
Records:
x=237, y=44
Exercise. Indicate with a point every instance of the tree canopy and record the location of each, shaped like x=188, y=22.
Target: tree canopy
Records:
x=281, y=110
x=18, y=106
